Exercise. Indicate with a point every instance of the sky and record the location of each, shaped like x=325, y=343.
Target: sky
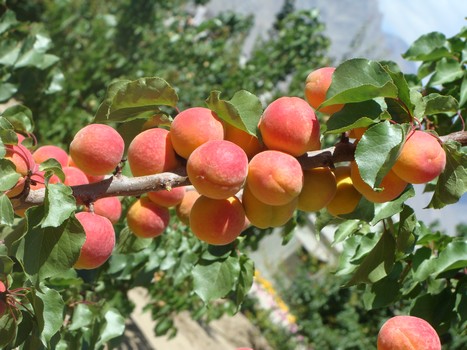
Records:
x=411, y=18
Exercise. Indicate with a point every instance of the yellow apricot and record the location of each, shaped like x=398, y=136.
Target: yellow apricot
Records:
x=147, y=219
x=347, y=197
x=183, y=209
x=319, y=188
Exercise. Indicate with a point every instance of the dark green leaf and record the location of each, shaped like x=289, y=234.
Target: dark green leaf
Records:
x=20, y=117
x=436, y=103
x=408, y=225
x=7, y=90
x=245, y=279
x=428, y=47
x=8, y=175
x=354, y=115
x=7, y=20
x=82, y=317
x=59, y=205
x=384, y=292
x=51, y=313
x=126, y=100
x=452, y=182
x=130, y=243
x=365, y=211
x=7, y=330
x=388, y=209
x=358, y=80
x=463, y=92
x=243, y=111
x=6, y=265
x=345, y=229
x=52, y=167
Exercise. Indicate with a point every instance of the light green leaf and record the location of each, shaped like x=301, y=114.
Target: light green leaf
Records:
x=463, y=92
x=447, y=70
x=358, y=80
x=7, y=90
x=113, y=327
x=388, y=209
x=6, y=211
x=243, y=111
x=8, y=175
x=428, y=47
x=51, y=314
x=20, y=118
x=7, y=20
x=59, y=205
x=82, y=317
x=347, y=228
x=436, y=103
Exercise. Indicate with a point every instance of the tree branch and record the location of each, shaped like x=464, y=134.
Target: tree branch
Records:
x=120, y=185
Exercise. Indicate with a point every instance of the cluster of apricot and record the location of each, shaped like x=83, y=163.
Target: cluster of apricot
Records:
x=238, y=180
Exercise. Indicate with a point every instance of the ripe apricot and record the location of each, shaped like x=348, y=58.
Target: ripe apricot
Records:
x=50, y=151
x=97, y=149
x=109, y=207
x=249, y=143
x=319, y=188
x=316, y=87
x=422, y=158
x=357, y=133
x=217, y=221
x=100, y=240
x=392, y=186
x=263, y=215
x=21, y=157
x=183, y=209
x=74, y=176
x=408, y=333
x=193, y=127
x=347, y=197
x=217, y=169
x=147, y=219
x=274, y=177
x=289, y=124
x=152, y=152
x=167, y=198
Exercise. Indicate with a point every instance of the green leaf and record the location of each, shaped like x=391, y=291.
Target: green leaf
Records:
x=214, y=280
x=378, y=263
x=20, y=117
x=377, y=151
x=384, y=292
x=82, y=317
x=388, y=209
x=354, y=115
x=7, y=21
x=404, y=93
x=7, y=90
x=59, y=205
x=463, y=92
x=126, y=100
x=49, y=251
x=8, y=175
x=347, y=228
x=113, y=327
x=8, y=329
x=243, y=111
x=408, y=227
x=428, y=47
x=52, y=167
x=452, y=182
x=436, y=103
x=245, y=279
x=358, y=80
x=49, y=313
x=447, y=70
x=7, y=214
x=453, y=257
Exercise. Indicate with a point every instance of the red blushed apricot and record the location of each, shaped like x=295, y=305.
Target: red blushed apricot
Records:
x=217, y=221
x=193, y=127
x=109, y=207
x=168, y=198
x=91, y=178
x=217, y=169
x=274, y=177
x=316, y=87
x=97, y=149
x=289, y=124
x=408, y=333
x=21, y=158
x=347, y=197
x=100, y=240
x=263, y=215
x=183, y=209
x=319, y=188
x=249, y=143
x=392, y=186
x=147, y=219
x=50, y=151
x=151, y=152
x=421, y=159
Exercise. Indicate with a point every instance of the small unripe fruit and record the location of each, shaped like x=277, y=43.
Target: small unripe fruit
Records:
x=97, y=149
x=289, y=124
x=147, y=219
x=193, y=127
x=316, y=87
x=217, y=221
x=217, y=169
x=100, y=240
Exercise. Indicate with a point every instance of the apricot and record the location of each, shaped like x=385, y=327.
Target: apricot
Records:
x=183, y=209
x=263, y=215
x=151, y=152
x=249, y=143
x=316, y=87
x=319, y=188
x=274, y=177
x=357, y=133
x=91, y=178
x=392, y=186
x=408, y=333
x=109, y=207
x=167, y=198
x=100, y=240
x=217, y=221
x=193, y=127
x=74, y=176
x=50, y=151
x=147, y=219
x=347, y=197
x=97, y=149
x=217, y=169
x=21, y=157
x=421, y=159
x=289, y=124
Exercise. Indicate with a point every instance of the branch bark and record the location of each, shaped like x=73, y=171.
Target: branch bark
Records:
x=120, y=185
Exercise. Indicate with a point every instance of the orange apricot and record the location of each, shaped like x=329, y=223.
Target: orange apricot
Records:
x=217, y=221
x=217, y=169
x=21, y=157
x=319, y=188
x=50, y=151
x=109, y=207
x=167, y=198
x=193, y=127
x=100, y=240
x=97, y=149
x=347, y=197
x=249, y=143
x=274, y=177
x=183, y=209
x=289, y=124
x=147, y=219
x=316, y=87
